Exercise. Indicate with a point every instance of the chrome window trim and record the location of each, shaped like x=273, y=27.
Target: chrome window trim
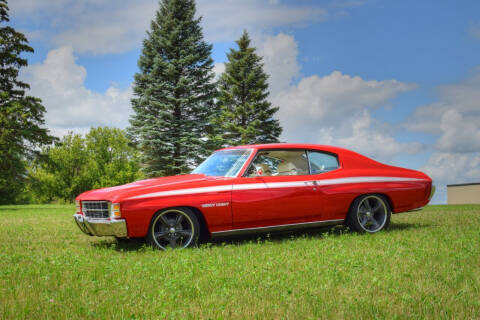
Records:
x=306, y=150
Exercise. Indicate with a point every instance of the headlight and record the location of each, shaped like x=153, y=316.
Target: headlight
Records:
x=78, y=206
x=115, y=210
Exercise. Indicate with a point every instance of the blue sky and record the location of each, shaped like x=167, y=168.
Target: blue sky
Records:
x=396, y=80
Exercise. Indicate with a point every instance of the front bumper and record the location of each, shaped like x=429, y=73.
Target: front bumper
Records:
x=101, y=227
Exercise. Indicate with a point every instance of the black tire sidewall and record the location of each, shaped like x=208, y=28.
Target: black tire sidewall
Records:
x=186, y=211
x=352, y=220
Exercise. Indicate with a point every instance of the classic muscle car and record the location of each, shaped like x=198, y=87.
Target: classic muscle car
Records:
x=256, y=188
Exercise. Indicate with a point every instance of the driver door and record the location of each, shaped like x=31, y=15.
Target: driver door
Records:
x=276, y=189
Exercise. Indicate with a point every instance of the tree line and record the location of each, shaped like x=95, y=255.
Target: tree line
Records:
x=181, y=114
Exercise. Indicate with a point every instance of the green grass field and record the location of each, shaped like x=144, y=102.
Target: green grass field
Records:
x=427, y=265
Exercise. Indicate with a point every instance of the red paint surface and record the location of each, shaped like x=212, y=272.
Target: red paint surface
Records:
x=267, y=206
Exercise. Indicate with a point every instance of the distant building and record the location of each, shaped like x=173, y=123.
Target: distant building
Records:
x=463, y=193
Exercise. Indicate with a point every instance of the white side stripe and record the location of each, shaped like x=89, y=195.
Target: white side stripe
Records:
x=364, y=179
x=326, y=182
x=272, y=185
x=184, y=191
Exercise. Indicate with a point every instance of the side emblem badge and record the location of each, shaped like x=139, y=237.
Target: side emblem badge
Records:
x=218, y=204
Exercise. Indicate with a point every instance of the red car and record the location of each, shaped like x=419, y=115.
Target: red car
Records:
x=256, y=188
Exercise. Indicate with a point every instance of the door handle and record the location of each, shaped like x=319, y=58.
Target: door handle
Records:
x=311, y=184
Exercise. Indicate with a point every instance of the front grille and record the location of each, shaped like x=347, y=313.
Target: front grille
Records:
x=95, y=209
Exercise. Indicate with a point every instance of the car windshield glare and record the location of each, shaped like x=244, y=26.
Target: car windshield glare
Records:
x=224, y=163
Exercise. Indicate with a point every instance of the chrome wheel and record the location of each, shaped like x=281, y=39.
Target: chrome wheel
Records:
x=173, y=229
x=372, y=213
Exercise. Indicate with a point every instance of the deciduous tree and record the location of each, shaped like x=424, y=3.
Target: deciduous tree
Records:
x=103, y=158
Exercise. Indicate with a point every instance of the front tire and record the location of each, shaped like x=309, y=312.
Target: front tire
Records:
x=369, y=213
x=174, y=228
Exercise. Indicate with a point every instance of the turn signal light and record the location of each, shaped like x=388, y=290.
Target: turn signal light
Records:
x=78, y=206
x=115, y=210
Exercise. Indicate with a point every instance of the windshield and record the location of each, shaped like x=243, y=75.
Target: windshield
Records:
x=225, y=163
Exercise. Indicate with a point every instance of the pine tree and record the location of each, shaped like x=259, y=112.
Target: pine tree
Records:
x=246, y=115
x=21, y=116
x=174, y=92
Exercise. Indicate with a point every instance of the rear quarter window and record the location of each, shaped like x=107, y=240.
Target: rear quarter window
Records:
x=321, y=162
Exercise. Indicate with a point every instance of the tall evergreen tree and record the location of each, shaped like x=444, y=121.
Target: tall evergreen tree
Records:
x=21, y=116
x=246, y=115
x=174, y=91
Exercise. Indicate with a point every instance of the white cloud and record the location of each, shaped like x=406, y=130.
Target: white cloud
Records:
x=218, y=69
x=455, y=119
x=455, y=116
x=59, y=82
x=224, y=20
x=101, y=27
x=380, y=144
x=329, y=99
x=459, y=133
x=109, y=27
x=358, y=132
x=280, y=60
x=29, y=6
x=60, y=132
x=450, y=168
x=334, y=110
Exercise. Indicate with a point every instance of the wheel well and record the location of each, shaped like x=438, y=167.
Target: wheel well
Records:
x=204, y=231
x=376, y=193
x=390, y=203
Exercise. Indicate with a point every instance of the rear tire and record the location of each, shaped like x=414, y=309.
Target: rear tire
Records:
x=174, y=228
x=369, y=213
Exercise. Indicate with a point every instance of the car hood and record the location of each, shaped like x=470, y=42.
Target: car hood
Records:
x=136, y=188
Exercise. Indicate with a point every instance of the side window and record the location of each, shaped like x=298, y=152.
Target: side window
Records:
x=322, y=162
x=279, y=163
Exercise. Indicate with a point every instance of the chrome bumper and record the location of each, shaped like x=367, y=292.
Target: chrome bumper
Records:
x=101, y=227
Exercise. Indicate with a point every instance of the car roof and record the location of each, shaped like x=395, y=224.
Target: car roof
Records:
x=326, y=148
x=349, y=158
